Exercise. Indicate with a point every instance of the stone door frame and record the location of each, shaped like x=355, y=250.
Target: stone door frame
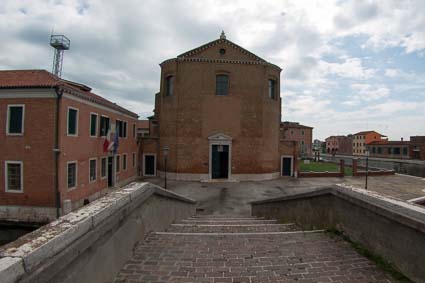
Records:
x=292, y=165
x=220, y=139
x=144, y=164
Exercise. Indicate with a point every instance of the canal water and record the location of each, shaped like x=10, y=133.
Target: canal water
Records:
x=10, y=231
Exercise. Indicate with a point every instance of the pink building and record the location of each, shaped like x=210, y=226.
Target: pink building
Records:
x=333, y=144
x=303, y=135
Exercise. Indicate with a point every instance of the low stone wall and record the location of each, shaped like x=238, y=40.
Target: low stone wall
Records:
x=92, y=244
x=43, y=215
x=390, y=228
x=320, y=174
x=402, y=166
x=375, y=173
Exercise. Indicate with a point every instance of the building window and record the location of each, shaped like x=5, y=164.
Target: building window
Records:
x=14, y=171
x=104, y=126
x=72, y=121
x=93, y=124
x=72, y=174
x=92, y=169
x=389, y=150
x=404, y=150
x=221, y=84
x=302, y=133
x=103, y=165
x=124, y=162
x=169, y=85
x=118, y=163
x=373, y=149
x=15, y=119
x=134, y=159
x=396, y=150
x=272, y=89
x=134, y=131
x=379, y=150
x=121, y=128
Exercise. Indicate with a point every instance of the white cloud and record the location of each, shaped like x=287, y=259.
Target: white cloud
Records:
x=116, y=47
x=391, y=73
x=368, y=92
x=350, y=68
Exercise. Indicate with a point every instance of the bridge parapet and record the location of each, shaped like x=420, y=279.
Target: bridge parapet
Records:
x=92, y=243
x=390, y=228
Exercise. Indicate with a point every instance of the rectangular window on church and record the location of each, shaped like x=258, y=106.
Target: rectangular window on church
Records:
x=272, y=89
x=169, y=84
x=221, y=85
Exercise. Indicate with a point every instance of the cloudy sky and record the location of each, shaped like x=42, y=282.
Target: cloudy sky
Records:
x=347, y=65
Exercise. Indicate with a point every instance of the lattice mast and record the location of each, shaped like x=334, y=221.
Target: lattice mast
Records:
x=60, y=43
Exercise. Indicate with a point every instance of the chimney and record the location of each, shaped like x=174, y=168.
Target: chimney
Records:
x=401, y=138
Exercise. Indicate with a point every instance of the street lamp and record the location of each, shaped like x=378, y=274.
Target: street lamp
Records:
x=367, y=166
x=165, y=150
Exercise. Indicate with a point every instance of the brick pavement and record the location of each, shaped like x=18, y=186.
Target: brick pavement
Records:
x=224, y=250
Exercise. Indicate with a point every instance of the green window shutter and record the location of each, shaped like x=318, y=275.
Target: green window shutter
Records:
x=15, y=119
x=72, y=121
x=93, y=124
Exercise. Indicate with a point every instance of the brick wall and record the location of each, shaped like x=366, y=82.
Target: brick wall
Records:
x=302, y=135
x=194, y=113
x=81, y=148
x=34, y=148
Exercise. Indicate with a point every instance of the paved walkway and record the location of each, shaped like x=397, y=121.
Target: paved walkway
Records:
x=233, y=198
x=235, y=250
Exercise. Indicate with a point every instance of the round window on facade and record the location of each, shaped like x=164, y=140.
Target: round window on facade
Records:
x=222, y=51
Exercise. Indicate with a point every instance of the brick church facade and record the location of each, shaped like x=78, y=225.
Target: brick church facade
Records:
x=218, y=113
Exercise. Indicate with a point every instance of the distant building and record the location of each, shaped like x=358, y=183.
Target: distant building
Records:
x=303, y=135
x=389, y=149
x=361, y=139
x=52, y=155
x=417, y=144
x=317, y=145
x=333, y=144
x=346, y=145
x=142, y=128
x=413, y=149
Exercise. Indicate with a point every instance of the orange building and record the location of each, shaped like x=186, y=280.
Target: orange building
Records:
x=52, y=157
x=361, y=139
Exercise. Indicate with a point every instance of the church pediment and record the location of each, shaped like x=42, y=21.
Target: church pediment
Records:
x=222, y=49
x=220, y=137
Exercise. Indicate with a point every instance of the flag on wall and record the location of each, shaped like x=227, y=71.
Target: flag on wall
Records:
x=115, y=143
x=111, y=142
x=108, y=142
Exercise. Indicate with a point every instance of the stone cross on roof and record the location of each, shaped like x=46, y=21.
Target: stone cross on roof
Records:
x=222, y=35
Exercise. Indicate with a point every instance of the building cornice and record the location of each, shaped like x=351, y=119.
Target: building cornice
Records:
x=222, y=61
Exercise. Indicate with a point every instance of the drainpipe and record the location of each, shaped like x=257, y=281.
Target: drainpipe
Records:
x=56, y=150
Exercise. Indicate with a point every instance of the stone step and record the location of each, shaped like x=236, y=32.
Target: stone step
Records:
x=232, y=228
x=251, y=257
x=224, y=218
x=227, y=221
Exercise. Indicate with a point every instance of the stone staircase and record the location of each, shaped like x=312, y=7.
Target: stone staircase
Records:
x=233, y=249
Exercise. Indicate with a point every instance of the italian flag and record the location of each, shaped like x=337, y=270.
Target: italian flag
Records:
x=108, y=144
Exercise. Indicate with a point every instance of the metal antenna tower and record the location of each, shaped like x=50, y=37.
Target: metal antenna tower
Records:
x=60, y=43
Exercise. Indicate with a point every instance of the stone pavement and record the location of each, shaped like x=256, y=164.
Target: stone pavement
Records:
x=223, y=249
x=233, y=198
